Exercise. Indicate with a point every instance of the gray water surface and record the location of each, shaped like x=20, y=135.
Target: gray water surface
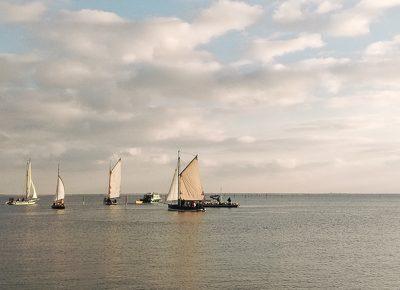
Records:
x=279, y=242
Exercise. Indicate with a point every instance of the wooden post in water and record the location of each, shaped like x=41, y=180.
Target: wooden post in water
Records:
x=83, y=200
x=126, y=199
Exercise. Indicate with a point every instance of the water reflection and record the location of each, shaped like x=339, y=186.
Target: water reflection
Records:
x=186, y=236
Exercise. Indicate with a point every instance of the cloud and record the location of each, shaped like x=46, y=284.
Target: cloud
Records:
x=356, y=21
x=384, y=49
x=224, y=16
x=291, y=11
x=89, y=16
x=167, y=40
x=266, y=50
x=94, y=86
x=21, y=13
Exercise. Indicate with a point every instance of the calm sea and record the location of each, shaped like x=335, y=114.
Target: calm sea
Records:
x=278, y=242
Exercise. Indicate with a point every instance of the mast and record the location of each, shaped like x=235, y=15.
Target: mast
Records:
x=179, y=191
x=109, y=181
x=28, y=181
x=58, y=179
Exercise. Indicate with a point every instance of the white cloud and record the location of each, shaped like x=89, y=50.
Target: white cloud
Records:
x=266, y=49
x=224, y=16
x=328, y=6
x=21, y=13
x=291, y=11
x=103, y=86
x=384, y=49
x=246, y=139
x=357, y=20
x=92, y=17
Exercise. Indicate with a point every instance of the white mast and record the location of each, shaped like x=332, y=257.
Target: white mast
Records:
x=28, y=179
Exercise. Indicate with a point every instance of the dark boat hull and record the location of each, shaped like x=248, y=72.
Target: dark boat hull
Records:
x=176, y=207
x=110, y=201
x=58, y=206
x=232, y=205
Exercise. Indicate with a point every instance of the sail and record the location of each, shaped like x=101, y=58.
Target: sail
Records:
x=189, y=182
x=115, y=180
x=30, y=186
x=60, y=193
x=34, y=194
x=173, y=189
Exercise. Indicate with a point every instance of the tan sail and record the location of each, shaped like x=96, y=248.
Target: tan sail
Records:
x=115, y=180
x=189, y=182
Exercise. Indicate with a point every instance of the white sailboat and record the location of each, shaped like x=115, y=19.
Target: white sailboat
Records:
x=60, y=193
x=114, y=184
x=186, y=191
x=30, y=190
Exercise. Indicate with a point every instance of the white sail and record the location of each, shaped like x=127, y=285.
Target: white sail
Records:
x=189, y=182
x=114, y=188
x=173, y=189
x=34, y=194
x=60, y=192
x=30, y=186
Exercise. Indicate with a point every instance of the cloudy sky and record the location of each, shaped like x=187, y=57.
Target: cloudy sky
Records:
x=274, y=96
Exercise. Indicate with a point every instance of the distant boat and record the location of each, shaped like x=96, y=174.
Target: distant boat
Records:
x=30, y=190
x=186, y=191
x=218, y=203
x=60, y=193
x=149, y=198
x=114, y=184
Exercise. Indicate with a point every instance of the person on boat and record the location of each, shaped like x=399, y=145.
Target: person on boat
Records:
x=229, y=200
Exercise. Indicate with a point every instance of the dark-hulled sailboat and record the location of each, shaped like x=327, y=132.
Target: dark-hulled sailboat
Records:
x=60, y=193
x=114, y=184
x=186, y=191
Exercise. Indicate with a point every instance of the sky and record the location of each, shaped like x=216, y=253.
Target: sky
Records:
x=289, y=96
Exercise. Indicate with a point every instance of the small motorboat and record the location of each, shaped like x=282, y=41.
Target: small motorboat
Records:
x=216, y=202
x=149, y=198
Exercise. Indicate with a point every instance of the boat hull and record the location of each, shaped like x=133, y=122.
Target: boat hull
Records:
x=25, y=202
x=226, y=205
x=176, y=207
x=57, y=206
x=108, y=201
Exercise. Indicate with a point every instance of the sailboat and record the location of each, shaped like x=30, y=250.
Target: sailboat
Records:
x=30, y=190
x=186, y=191
x=60, y=193
x=114, y=184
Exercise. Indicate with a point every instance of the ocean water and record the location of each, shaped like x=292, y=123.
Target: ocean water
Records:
x=278, y=242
